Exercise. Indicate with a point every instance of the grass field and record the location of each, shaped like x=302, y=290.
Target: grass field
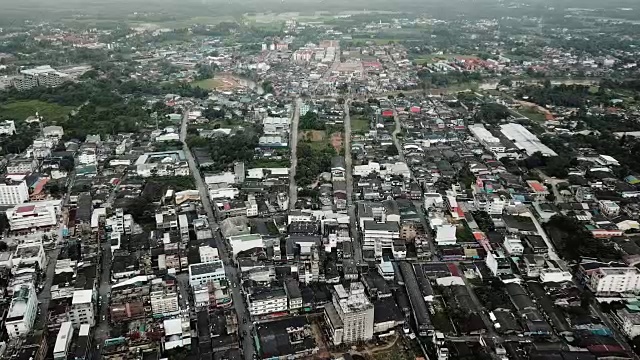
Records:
x=208, y=84
x=359, y=125
x=20, y=110
x=532, y=114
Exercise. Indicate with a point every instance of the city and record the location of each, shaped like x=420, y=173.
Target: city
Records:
x=318, y=181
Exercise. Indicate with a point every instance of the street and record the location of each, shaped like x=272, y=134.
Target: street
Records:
x=231, y=272
x=102, y=327
x=351, y=208
x=293, y=143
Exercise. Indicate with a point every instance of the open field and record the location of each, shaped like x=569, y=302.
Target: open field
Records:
x=221, y=82
x=20, y=110
x=312, y=135
x=359, y=125
x=532, y=114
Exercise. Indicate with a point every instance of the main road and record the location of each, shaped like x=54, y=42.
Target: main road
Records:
x=244, y=322
x=293, y=142
x=348, y=162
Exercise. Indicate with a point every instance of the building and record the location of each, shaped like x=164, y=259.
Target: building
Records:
x=350, y=316
x=164, y=298
x=82, y=311
x=270, y=301
x=33, y=215
x=609, y=208
x=486, y=139
x=240, y=243
x=209, y=273
x=208, y=254
x=22, y=311
x=609, y=280
x=498, y=264
x=379, y=236
x=629, y=322
x=22, y=166
x=63, y=341
x=45, y=76
x=29, y=254
x=13, y=191
x=524, y=140
x=7, y=127
x=513, y=245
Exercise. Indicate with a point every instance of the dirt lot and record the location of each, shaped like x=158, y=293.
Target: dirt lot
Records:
x=337, y=141
x=312, y=135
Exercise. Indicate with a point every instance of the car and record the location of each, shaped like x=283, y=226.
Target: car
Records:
x=104, y=317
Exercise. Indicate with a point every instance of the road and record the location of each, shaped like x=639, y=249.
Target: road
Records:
x=554, y=185
x=102, y=327
x=293, y=143
x=615, y=330
x=395, y=133
x=481, y=309
x=351, y=208
x=244, y=322
x=44, y=297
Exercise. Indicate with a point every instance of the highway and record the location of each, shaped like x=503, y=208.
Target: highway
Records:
x=244, y=322
x=351, y=208
x=293, y=143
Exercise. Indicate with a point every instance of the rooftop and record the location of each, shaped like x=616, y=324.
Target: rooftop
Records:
x=82, y=297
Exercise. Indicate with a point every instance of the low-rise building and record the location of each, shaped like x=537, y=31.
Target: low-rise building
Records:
x=82, y=310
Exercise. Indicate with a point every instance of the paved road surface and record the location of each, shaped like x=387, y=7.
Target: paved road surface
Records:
x=244, y=322
x=293, y=141
x=104, y=290
x=45, y=295
x=351, y=208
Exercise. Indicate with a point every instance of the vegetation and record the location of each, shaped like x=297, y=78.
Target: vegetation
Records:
x=22, y=109
x=562, y=95
x=311, y=121
x=573, y=241
x=316, y=161
x=491, y=113
x=227, y=149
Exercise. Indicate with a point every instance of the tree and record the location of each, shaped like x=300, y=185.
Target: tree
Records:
x=505, y=82
x=391, y=150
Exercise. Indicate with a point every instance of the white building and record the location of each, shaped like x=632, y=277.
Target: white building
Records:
x=275, y=126
x=164, y=299
x=82, y=311
x=614, y=280
x=209, y=273
x=29, y=254
x=268, y=302
x=629, y=322
x=246, y=242
x=7, y=127
x=378, y=236
x=446, y=235
x=33, y=215
x=350, y=315
x=22, y=166
x=554, y=275
x=208, y=254
x=88, y=156
x=486, y=139
x=524, y=140
x=609, y=208
x=22, y=311
x=177, y=333
x=513, y=245
x=63, y=340
x=13, y=191
x=53, y=131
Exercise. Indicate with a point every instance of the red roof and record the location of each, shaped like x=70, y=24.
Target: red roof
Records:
x=460, y=212
x=415, y=109
x=24, y=209
x=537, y=187
x=387, y=113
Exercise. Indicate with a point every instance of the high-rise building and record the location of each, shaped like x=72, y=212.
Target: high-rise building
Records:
x=164, y=298
x=22, y=311
x=350, y=315
x=82, y=311
x=13, y=191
